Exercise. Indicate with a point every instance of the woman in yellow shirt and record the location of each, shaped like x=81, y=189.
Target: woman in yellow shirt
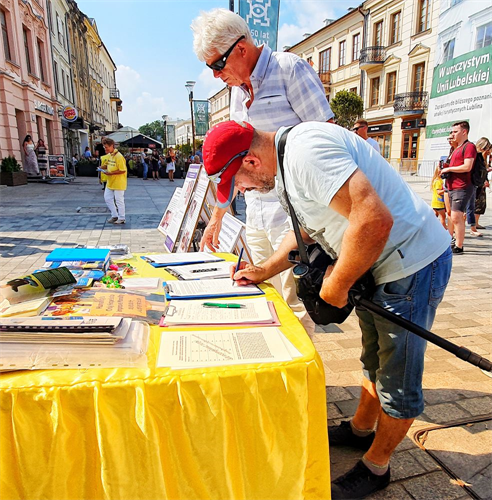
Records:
x=114, y=194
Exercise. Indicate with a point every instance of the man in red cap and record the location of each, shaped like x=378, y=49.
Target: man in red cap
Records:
x=269, y=90
x=334, y=179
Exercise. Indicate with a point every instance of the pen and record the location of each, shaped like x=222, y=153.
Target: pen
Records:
x=223, y=306
x=238, y=262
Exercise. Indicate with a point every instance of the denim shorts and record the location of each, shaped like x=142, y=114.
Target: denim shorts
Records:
x=392, y=357
x=459, y=198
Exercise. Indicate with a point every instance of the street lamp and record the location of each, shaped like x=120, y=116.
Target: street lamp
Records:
x=189, y=87
x=164, y=135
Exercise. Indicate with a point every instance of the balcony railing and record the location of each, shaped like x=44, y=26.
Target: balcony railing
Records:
x=372, y=56
x=114, y=94
x=325, y=77
x=411, y=103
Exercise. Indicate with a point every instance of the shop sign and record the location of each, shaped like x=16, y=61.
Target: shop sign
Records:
x=411, y=124
x=45, y=108
x=70, y=113
x=372, y=129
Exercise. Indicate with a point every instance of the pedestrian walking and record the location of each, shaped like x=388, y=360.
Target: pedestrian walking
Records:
x=170, y=164
x=437, y=202
x=30, y=161
x=155, y=163
x=42, y=154
x=114, y=194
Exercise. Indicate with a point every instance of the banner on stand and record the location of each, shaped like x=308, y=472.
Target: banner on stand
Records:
x=261, y=17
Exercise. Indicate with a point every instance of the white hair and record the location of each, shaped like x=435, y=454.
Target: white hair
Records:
x=216, y=30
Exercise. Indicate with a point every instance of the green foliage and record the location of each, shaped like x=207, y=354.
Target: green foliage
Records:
x=185, y=150
x=10, y=164
x=153, y=129
x=348, y=107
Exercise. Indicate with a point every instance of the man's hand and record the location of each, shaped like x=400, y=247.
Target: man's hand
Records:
x=333, y=293
x=248, y=274
x=210, y=236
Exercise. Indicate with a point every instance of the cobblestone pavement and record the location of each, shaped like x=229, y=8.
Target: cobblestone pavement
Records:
x=39, y=217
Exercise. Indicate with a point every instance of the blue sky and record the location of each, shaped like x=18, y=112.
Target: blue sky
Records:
x=151, y=43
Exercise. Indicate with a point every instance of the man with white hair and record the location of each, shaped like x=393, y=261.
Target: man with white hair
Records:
x=269, y=90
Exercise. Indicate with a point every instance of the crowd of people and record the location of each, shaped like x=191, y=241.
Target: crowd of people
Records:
x=459, y=185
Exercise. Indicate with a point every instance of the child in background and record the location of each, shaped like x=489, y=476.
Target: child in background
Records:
x=437, y=202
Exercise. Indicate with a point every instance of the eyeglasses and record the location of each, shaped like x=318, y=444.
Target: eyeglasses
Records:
x=357, y=128
x=220, y=63
x=215, y=178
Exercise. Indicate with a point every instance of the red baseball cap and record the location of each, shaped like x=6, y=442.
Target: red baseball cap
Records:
x=224, y=148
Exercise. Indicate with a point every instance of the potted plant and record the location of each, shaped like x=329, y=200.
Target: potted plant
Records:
x=11, y=172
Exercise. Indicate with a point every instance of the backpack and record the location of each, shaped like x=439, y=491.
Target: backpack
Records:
x=478, y=171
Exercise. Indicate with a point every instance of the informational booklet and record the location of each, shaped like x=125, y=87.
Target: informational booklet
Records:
x=209, y=270
x=224, y=287
x=229, y=233
x=172, y=219
x=218, y=312
x=180, y=259
x=198, y=349
x=26, y=308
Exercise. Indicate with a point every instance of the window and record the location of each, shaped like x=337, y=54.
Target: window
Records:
x=353, y=90
x=68, y=86
x=59, y=26
x=5, y=36
x=378, y=34
x=395, y=35
x=50, y=16
x=341, y=53
x=310, y=61
x=55, y=72
x=325, y=61
x=418, y=77
x=63, y=82
x=40, y=60
x=355, y=47
x=484, y=36
x=390, y=87
x=375, y=91
x=423, y=22
x=26, y=49
x=448, y=51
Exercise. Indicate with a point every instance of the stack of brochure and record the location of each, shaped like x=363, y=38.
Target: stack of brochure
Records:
x=43, y=343
x=218, y=312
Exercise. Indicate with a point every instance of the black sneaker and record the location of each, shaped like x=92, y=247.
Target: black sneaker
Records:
x=342, y=435
x=358, y=482
x=457, y=249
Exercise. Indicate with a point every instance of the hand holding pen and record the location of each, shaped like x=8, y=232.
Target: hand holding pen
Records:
x=238, y=265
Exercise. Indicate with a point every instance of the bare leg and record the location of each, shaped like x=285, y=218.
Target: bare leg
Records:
x=369, y=407
x=390, y=433
x=442, y=218
x=459, y=227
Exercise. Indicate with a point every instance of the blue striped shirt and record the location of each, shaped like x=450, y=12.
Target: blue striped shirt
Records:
x=287, y=91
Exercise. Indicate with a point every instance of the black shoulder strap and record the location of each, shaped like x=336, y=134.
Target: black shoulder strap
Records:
x=295, y=223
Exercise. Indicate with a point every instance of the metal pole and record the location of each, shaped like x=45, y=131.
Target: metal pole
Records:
x=192, y=123
x=231, y=5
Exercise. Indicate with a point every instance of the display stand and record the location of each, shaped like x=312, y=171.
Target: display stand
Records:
x=57, y=170
x=172, y=220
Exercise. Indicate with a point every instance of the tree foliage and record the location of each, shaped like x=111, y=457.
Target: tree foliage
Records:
x=153, y=129
x=348, y=107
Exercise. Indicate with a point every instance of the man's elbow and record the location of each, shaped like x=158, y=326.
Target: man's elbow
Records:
x=383, y=224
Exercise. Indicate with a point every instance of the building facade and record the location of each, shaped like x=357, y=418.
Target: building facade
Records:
x=333, y=52
x=397, y=60
x=28, y=103
x=111, y=102
x=219, y=106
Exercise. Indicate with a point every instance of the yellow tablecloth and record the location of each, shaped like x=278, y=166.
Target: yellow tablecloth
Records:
x=238, y=432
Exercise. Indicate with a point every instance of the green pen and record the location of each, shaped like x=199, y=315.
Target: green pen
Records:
x=224, y=306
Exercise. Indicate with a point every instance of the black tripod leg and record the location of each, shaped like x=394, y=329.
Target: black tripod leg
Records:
x=459, y=351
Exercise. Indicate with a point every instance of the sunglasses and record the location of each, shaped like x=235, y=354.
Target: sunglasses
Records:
x=215, y=178
x=357, y=128
x=220, y=63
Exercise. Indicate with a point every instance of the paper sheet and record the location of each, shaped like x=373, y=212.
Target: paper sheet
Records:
x=141, y=283
x=195, y=349
x=209, y=288
x=174, y=258
x=193, y=312
x=209, y=270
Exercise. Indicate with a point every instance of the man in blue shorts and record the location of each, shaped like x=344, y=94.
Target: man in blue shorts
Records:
x=365, y=216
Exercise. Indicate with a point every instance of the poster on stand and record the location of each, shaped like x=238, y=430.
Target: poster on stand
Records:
x=172, y=220
x=56, y=166
x=230, y=232
x=189, y=183
x=193, y=212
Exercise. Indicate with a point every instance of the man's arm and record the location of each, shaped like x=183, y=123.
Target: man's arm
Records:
x=370, y=223
x=210, y=237
x=277, y=263
x=466, y=167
